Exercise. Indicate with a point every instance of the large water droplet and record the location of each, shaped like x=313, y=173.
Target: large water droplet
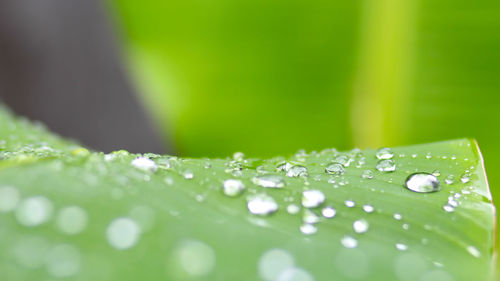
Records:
x=386, y=165
x=422, y=183
x=144, y=164
x=312, y=198
x=233, y=187
x=384, y=153
x=261, y=204
x=269, y=181
x=297, y=171
x=328, y=212
x=123, y=233
x=360, y=226
x=343, y=159
x=34, y=211
x=335, y=169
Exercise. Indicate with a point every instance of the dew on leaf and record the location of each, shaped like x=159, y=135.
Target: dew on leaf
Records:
x=312, y=198
x=144, y=164
x=328, y=212
x=269, y=181
x=473, y=251
x=360, y=226
x=308, y=229
x=450, y=179
x=335, y=169
x=448, y=208
x=368, y=208
x=384, y=153
x=261, y=204
x=349, y=242
x=310, y=217
x=293, y=209
x=401, y=247
x=367, y=174
x=386, y=165
x=233, y=187
x=297, y=171
x=349, y=203
x=422, y=183
x=188, y=174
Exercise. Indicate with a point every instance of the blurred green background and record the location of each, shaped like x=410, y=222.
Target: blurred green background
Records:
x=271, y=77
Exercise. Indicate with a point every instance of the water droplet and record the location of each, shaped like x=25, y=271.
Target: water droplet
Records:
x=448, y=208
x=401, y=247
x=398, y=216
x=343, y=159
x=81, y=152
x=310, y=217
x=328, y=212
x=297, y=171
x=261, y=204
x=308, y=229
x=312, y=198
x=195, y=258
x=384, y=153
x=293, y=209
x=123, y=233
x=367, y=174
x=9, y=198
x=422, y=183
x=72, y=220
x=283, y=167
x=63, y=261
x=349, y=242
x=273, y=262
x=188, y=174
x=144, y=164
x=436, y=173
x=465, y=178
x=473, y=251
x=450, y=179
x=34, y=211
x=386, y=165
x=335, y=169
x=269, y=181
x=368, y=208
x=238, y=156
x=360, y=226
x=350, y=203
x=233, y=187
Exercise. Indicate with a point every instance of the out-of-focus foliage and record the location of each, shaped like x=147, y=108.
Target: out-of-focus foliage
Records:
x=268, y=77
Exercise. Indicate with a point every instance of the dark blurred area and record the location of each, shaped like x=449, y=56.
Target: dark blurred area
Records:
x=59, y=64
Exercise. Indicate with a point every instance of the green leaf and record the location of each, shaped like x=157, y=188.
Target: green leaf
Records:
x=84, y=216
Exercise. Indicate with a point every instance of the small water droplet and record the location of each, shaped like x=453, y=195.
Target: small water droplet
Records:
x=308, y=229
x=123, y=233
x=310, y=217
x=367, y=174
x=368, y=208
x=269, y=181
x=436, y=173
x=261, y=204
x=384, y=153
x=450, y=179
x=293, y=209
x=232, y=187
x=343, y=159
x=397, y=216
x=34, y=211
x=335, y=169
x=465, y=178
x=401, y=247
x=422, y=183
x=349, y=242
x=386, y=165
x=360, y=226
x=297, y=171
x=473, y=251
x=448, y=208
x=328, y=212
x=238, y=156
x=312, y=198
x=350, y=203
x=188, y=174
